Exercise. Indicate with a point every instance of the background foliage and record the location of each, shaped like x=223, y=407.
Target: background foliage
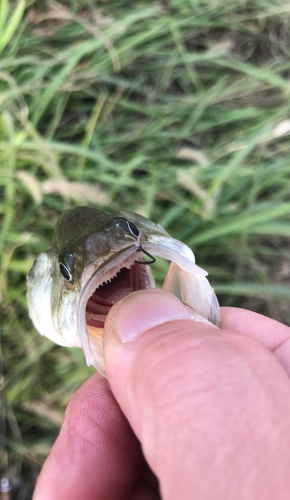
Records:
x=177, y=110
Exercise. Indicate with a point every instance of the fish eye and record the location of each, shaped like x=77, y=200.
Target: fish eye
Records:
x=65, y=272
x=65, y=266
x=129, y=228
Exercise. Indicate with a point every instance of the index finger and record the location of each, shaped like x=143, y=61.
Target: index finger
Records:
x=96, y=455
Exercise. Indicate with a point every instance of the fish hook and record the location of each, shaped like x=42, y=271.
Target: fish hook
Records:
x=140, y=249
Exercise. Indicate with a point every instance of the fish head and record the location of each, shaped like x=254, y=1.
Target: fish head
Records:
x=96, y=259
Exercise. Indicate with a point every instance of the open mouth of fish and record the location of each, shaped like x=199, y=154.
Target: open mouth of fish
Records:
x=127, y=280
x=127, y=273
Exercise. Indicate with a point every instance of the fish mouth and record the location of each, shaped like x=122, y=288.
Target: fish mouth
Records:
x=126, y=280
x=119, y=276
x=124, y=273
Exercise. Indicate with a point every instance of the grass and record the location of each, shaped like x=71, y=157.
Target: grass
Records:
x=179, y=112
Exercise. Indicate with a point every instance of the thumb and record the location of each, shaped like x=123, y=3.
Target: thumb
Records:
x=194, y=395
x=147, y=337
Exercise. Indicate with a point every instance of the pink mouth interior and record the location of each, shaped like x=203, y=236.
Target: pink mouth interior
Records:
x=103, y=298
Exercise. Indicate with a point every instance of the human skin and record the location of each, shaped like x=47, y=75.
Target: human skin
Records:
x=206, y=409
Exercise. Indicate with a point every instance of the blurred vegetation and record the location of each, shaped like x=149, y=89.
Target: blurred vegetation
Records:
x=177, y=110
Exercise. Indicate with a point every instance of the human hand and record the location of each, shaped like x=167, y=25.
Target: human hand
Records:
x=209, y=406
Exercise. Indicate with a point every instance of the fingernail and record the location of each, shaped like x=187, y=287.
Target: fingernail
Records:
x=145, y=309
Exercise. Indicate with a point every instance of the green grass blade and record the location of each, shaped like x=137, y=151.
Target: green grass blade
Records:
x=7, y=33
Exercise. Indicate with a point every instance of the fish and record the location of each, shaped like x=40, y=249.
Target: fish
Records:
x=96, y=259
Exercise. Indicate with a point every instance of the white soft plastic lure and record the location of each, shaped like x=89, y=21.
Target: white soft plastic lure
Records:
x=96, y=259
